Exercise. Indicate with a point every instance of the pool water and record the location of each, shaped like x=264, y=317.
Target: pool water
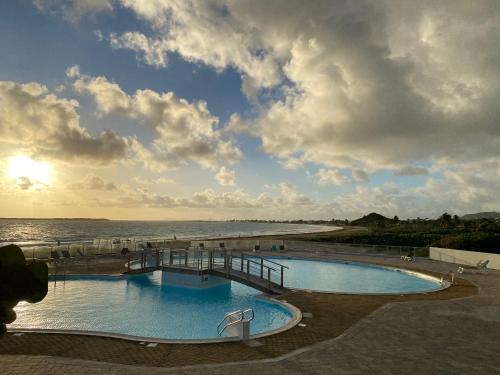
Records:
x=140, y=305
x=350, y=277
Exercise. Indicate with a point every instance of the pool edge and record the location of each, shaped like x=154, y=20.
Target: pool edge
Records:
x=443, y=283
x=295, y=312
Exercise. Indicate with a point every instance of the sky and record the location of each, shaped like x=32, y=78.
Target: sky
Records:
x=244, y=109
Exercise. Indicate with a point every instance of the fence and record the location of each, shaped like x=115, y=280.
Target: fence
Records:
x=99, y=247
x=349, y=248
x=114, y=246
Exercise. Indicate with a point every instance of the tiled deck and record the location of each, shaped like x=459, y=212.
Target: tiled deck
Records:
x=453, y=336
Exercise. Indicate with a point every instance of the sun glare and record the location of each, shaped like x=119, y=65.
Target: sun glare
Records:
x=22, y=167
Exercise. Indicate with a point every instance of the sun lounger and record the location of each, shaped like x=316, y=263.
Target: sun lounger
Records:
x=407, y=258
x=480, y=266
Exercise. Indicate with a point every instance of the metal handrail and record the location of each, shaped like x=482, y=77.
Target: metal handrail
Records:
x=241, y=317
x=257, y=263
x=266, y=260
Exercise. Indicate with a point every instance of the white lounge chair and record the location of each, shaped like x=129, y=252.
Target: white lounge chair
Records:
x=480, y=266
x=407, y=258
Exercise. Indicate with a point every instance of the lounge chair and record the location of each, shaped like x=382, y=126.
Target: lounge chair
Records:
x=480, y=266
x=79, y=252
x=66, y=254
x=407, y=258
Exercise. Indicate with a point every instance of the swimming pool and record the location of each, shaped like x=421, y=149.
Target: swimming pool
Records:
x=143, y=306
x=351, y=277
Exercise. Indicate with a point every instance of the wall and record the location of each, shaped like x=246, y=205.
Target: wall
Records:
x=464, y=257
x=192, y=280
x=240, y=244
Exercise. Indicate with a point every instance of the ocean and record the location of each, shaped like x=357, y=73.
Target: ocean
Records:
x=27, y=232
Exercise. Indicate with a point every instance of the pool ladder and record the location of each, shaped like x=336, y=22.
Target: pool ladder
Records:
x=237, y=317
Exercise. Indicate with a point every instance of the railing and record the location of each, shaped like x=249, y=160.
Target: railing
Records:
x=354, y=248
x=252, y=265
x=98, y=247
x=234, y=318
x=240, y=264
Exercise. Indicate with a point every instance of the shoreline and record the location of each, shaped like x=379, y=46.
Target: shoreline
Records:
x=342, y=230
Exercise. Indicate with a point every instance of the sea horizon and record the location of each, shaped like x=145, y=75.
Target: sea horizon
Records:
x=38, y=232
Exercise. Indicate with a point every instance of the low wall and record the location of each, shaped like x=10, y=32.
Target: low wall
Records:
x=464, y=257
x=243, y=244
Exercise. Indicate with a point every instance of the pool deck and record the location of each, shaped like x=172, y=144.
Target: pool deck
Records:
x=454, y=331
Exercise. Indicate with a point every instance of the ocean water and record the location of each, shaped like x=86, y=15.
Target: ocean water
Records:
x=27, y=232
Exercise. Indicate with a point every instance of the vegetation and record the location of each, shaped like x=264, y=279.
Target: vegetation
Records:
x=19, y=281
x=445, y=231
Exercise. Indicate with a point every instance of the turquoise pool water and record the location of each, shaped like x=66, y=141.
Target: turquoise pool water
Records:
x=347, y=277
x=140, y=305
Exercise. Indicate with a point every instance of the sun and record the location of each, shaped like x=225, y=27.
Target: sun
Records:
x=28, y=170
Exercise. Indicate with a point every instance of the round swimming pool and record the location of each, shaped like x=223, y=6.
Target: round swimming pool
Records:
x=351, y=277
x=143, y=306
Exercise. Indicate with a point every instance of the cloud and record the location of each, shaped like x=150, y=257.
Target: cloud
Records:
x=208, y=198
x=92, y=182
x=153, y=181
x=290, y=196
x=183, y=131
x=411, y=170
x=288, y=200
x=331, y=177
x=359, y=175
x=225, y=177
x=207, y=32
x=151, y=52
x=24, y=183
x=109, y=97
x=371, y=85
x=49, y=126
x=74, y=10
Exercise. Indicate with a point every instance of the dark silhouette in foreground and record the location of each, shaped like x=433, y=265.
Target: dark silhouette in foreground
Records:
x=19, y=281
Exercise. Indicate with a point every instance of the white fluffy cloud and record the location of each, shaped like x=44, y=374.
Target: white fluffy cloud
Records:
x=366, y=86
x=287, y=201
x=182, y=131
x=225, y=177
x=331, y=177
x=151, y=52
x=43, y=124
x=290, y=196
x=370, y=84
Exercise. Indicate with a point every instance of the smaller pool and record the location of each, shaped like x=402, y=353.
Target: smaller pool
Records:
x=144, y=306
x=351, y=277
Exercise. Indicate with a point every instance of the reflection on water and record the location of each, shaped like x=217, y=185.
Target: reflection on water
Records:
x=42, y=231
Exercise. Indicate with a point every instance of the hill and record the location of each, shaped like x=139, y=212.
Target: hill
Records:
x=371, y=219
x=482, y=215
